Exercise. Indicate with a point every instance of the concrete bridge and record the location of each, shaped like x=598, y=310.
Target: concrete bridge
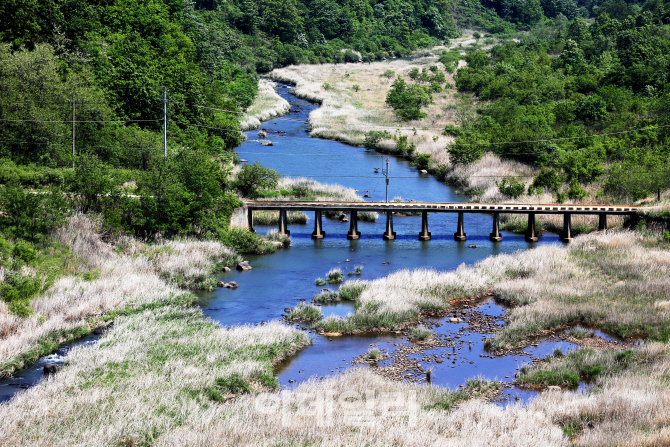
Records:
x=425, y=207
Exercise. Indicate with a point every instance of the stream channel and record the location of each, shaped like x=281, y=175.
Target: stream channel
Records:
x=285, y=278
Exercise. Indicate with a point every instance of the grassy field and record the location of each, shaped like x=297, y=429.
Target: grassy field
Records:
x=128, y=274
x=617, y=281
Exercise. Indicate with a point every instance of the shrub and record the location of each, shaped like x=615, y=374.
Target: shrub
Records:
x=235, y=384
x=421, y=161
x=304, y=312
x=335, y=276
x=254, y=178
x=421, y=333
x=407, y=101
x=511, y=187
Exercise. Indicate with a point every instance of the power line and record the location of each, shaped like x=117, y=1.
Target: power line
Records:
x=87, y=121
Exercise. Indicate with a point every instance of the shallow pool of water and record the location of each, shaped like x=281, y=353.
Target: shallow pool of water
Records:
x=32, y=374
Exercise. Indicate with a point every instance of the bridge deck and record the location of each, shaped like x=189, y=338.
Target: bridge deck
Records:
x=440, y=207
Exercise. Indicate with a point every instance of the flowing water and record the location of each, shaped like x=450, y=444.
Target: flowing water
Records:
x=284, y=279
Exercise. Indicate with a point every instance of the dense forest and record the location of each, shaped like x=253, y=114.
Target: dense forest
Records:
x=595, y=94
x=580, y=68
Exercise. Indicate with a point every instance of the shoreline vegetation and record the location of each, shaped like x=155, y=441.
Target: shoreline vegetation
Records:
x=197, y=383
x=77, y=303
x=353, y=110
x=266, y=105
x=616, y=281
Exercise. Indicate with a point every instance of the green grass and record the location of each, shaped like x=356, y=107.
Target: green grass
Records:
x=304, y=312
x=421, y=333
x=584, y=364
x=335, y=276
x=48, y=260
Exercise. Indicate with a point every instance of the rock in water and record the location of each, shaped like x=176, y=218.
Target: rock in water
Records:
x=219, y=284
x=231, y=285
x=472, y=246
x=225, y=269
x=51, y=368
x=267, y=143
x=288, y=310
x=243, y=266
x=455, y=320
x=423, y=171
x=553, y=388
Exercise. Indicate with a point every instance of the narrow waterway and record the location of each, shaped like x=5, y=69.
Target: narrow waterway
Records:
x=284, y=279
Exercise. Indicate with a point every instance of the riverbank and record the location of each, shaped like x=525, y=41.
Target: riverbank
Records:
x=615, y=281
x=352, y=103
x=266, y=105
x=78, y=303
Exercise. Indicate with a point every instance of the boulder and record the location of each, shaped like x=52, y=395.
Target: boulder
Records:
x=343, y=218
x=472, y=246
x=455, y=320
x=288, y=310
x=277, y=244
x=51, y=368
x=332, y=334
x=225, y=269
x=423, y=171
x=231, y=285
x=98, y=331
x=219, y=284
x=367, y=195
x=243, y=266
x=553, y=388
x=267, y=143
x=242, y=160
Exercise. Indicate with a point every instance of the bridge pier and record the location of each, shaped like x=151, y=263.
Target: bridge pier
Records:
x=389, y=234
x=530, y=231
x=566, y=235
x=495, y=234
x=459, y=235
x=283, y=223
x=602, y=222
x=250, y=220
x=318, y=225
x=425, y=234
x=353, y=226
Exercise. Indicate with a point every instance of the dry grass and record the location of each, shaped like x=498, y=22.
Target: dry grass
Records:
x=267, y=105
x=150, y=374
x=613, y=280
x=347, y=115
x=130, y=280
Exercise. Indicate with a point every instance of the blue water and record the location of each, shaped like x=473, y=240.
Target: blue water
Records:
x=286, y=278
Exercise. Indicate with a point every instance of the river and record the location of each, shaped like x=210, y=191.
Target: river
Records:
x=285, y=278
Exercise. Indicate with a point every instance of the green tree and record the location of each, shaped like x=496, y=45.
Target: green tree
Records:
x=407, y=100
x=254, y=178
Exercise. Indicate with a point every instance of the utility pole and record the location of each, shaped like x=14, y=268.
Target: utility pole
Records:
x=165, y=122
x=386, y=173
x=73, y=127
